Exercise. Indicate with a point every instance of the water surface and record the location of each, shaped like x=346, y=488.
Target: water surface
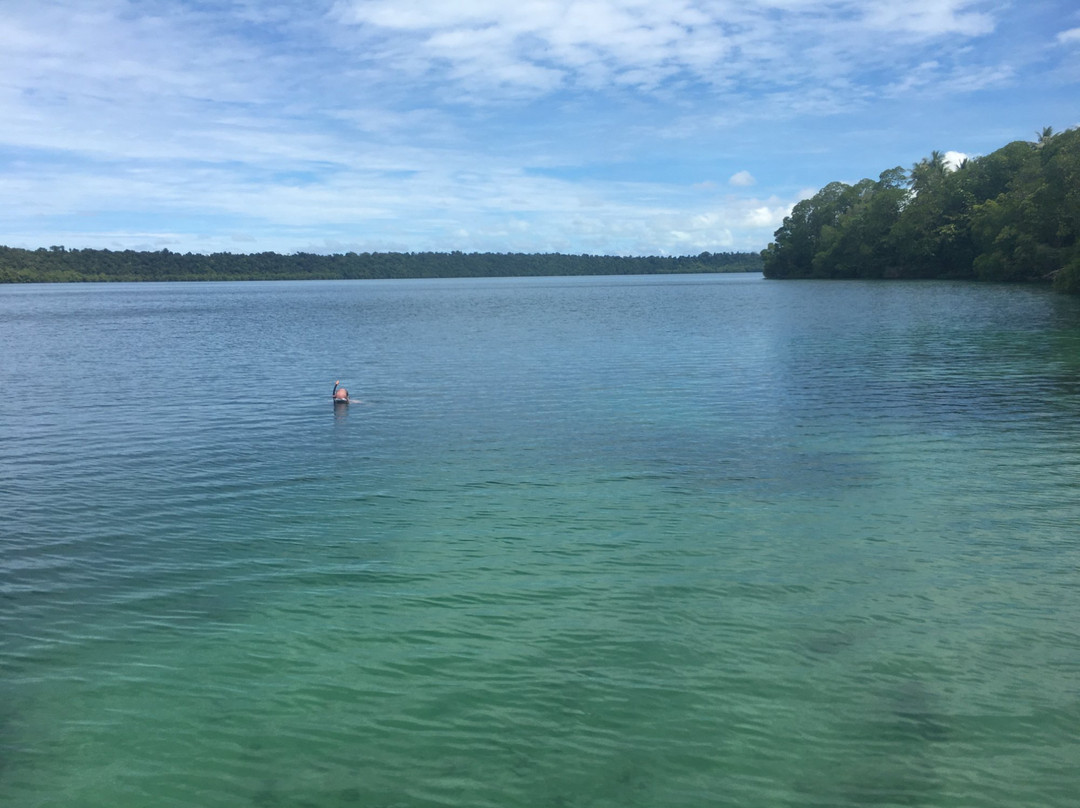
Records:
x=679, y=541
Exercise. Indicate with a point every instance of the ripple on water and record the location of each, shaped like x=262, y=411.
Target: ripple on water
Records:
x=586, y=542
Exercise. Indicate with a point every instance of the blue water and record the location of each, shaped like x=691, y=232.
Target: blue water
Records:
x=655, y=541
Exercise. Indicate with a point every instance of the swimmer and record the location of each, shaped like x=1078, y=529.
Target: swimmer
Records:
x=340, y=393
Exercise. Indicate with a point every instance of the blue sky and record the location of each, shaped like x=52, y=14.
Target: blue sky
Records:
x=634, y=127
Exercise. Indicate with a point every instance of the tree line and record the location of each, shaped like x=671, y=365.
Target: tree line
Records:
x=1012, y=215
x=61, y=265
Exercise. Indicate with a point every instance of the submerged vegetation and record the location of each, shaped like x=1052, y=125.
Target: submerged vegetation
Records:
x=1012, y=215
x=60, y=265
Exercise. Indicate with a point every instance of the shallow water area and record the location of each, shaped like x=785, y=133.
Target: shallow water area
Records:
x=680, y=541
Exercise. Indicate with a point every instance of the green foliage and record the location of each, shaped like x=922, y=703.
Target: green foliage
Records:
x=1068, y=279
x=57, y=265
x=1013, y=215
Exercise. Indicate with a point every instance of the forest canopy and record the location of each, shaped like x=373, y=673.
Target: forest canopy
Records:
x=1012, y=215
x=61, y=265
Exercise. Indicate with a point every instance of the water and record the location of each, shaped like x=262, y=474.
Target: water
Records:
x=680, y=541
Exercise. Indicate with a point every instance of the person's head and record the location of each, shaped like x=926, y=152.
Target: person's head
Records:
x=341, y=393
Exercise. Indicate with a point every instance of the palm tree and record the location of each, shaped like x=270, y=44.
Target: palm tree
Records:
x=928, y=171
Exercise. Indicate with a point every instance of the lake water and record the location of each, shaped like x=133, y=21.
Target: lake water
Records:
x=641, y=541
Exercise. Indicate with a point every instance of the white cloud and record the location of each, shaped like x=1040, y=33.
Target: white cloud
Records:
x=931, y=17
x=742, y=179
x=764, y=216
x=948, y=80
x=647, y=45
x=1072, y=35
x=953, y=159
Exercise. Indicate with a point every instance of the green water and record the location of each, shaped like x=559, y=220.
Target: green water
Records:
x=583, y=542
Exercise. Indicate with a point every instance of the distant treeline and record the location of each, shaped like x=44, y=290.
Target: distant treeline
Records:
x=60, y=265
x=1013, y=215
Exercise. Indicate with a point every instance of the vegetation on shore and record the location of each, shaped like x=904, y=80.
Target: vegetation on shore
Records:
x=60, y=265
x=1012, y=215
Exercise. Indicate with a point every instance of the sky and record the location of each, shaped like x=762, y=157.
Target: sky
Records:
x=626, y=127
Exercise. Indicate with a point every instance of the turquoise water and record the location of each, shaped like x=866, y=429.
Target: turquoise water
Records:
x=680, y=541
